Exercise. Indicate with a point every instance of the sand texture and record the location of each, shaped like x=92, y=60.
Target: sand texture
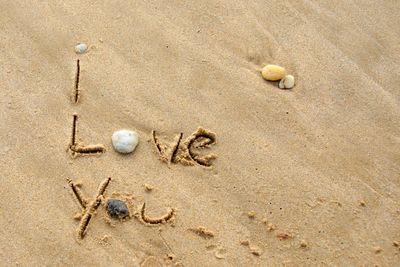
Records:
x=244, y=173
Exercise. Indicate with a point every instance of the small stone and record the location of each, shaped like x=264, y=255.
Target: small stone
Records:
x=245, y=242
x=170, y=256
x=105, y=240
x=251, y=214
x=396, y=243
x=117, y=209
x=210, y=246
x=283, y=236
x=303, y=243
x=203, y=232
x=125, y=141
x=377, y=249
x=256, y=250
x=287, y=82
x=270, y=227
x=81, y=48
x=273, y=72
x=78, y=216
x=220, y=253
x=148, y=187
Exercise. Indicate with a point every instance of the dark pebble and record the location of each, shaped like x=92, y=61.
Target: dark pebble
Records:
x=117, y=209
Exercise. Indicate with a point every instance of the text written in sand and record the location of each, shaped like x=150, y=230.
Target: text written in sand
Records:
x=187, y=152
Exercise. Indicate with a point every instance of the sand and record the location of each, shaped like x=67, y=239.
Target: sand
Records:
x=303, y=177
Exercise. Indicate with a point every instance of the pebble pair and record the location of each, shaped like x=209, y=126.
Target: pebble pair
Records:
x=276, y=73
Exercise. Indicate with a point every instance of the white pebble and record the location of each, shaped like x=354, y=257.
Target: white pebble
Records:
x=287, y=82
x=125, y=141
x=81, y=48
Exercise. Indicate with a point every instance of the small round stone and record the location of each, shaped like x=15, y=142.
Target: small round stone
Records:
x=125, y=141
x=81, y=48
x=273, y=72
x=117, y=209
x=287, y=82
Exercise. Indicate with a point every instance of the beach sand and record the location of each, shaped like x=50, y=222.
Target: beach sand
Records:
x=303, y=177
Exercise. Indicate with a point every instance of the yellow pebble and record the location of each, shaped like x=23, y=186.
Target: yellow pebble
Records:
x=273, y=72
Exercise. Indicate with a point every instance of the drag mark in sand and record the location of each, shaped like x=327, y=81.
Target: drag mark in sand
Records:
x=78, y=193
x=77, y=75
x=175, y=148
x=90, y=149
x=156, y=142
x=203, y=138
x=202, y=232
x=73, y=135
x=186, y=153
x=76, y=148
x=164, y=150
x=88, y=209
x=163, y=219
